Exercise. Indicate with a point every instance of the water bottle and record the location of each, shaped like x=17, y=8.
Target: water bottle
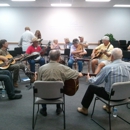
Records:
x=114, y=112
x=3, y=93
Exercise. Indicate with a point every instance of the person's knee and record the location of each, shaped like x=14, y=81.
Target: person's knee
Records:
x=94, y=61
x=101, y=65
x=32, y=62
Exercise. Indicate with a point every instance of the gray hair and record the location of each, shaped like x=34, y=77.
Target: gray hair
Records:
x=54, y=55
x=117, y=53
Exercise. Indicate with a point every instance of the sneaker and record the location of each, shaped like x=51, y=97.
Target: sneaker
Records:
x=43, y=112
x=82, y=110
x=15, y=97
x=17, y=91
x=107, y=108
x=58, y=111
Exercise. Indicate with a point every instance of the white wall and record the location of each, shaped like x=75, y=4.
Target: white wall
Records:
x=92, y=23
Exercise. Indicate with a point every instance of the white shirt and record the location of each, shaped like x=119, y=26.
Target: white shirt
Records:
x=26, y=39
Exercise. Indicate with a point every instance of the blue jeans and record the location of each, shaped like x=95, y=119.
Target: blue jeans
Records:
x=32, y=63
x=6, y=76
x=80, y=65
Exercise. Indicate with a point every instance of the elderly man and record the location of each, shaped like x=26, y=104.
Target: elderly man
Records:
x=82, y=42
x=101, y=55
x=35, y=48
x=54, y=71
x=26, y=39
x=117, y=71
x=76, y=51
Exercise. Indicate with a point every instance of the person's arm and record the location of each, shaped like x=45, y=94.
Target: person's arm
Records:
x=84, y=44
x=100, y=77
x=108, y=53
x=73, y=51
x=4, y=59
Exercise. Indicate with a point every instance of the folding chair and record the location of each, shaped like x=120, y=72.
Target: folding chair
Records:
x=47, y=92
x=119, y=96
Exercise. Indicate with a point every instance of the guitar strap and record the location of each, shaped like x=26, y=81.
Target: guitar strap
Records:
x=108, y=46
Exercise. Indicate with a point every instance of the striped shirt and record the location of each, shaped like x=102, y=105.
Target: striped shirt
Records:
x=117, y=71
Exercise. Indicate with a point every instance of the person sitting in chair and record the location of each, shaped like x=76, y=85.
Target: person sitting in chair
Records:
x=76, y=51
x=32, y=49
x=13, y=66
x=117, y=71
x=101, y=55
x=54, y=71
x=6, y=76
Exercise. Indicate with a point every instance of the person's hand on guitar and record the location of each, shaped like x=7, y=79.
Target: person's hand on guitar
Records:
x=6, y=62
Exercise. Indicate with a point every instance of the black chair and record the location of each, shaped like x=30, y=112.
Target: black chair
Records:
x=119, y=96
x=18, y=50
x=126, y=54
x=12, y=52
x=123, y=44
x=89, y=52
x=115, y=44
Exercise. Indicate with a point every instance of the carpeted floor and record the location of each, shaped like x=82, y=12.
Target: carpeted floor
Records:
x=17, y=114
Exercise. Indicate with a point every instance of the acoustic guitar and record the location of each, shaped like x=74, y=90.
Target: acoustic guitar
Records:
x=79, y=48
x=72, y=85
x=11, y=61
x=98, y=53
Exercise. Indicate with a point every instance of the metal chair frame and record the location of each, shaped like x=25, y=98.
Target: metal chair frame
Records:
x=115, y=100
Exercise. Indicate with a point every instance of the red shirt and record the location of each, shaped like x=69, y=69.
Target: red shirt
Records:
x=32, y=49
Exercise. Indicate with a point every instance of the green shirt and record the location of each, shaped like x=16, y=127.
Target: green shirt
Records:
x=55, y=71
x=3, y=52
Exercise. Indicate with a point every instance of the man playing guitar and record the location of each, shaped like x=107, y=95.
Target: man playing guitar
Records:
x=12, y=67
x=101, y=55
x=33, y=49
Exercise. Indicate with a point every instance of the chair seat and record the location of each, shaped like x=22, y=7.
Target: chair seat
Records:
x=42, y=101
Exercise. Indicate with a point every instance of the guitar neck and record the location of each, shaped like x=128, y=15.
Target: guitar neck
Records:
x=85, y=74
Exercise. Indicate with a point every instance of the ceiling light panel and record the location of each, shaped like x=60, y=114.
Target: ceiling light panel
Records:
x=97, y=0
x=121, y=6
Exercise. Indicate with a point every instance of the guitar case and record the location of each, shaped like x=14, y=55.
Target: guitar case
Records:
x=71, y=86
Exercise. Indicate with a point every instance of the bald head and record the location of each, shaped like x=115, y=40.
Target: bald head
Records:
x=116, y=54
x=54, y=55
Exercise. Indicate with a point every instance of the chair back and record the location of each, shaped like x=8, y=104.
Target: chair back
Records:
x=48, y=89
x=67, y=52
x=121, y=90
x=18, y=50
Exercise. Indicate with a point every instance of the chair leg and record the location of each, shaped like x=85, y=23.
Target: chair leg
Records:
x=93, y=107
x=64, y=117
x=93, y=113
x=109, y=120
x=33, y=117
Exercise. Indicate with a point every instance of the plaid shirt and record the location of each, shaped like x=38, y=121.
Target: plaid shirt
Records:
x=117, y=71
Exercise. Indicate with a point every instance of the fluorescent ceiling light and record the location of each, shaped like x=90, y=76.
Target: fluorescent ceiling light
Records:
x=98, y=0
x=4, y=5
x=61, y=5
x=121, y=6
x=23, y=0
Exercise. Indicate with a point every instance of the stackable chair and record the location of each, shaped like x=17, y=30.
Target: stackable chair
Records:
x=119, y=96
x=47, y=92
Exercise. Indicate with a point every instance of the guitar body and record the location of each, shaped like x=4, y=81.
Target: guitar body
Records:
x=71, y=86
x=98, y=54
x=11, y=61
x=79, y=48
